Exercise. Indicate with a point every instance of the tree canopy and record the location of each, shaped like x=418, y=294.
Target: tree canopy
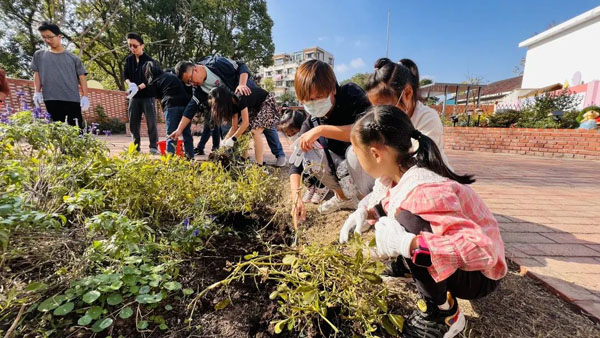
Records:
x=173, y=30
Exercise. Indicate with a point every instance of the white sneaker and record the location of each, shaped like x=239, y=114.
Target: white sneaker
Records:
x=308, y=195
x=319, y=195
x=335, y=203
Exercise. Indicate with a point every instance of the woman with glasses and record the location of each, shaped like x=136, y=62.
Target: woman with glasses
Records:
x=141, y=98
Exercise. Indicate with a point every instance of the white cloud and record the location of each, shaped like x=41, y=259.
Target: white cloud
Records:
x=322, y=38
x=357, y=63
x=342, y=68
x=354, y=64
x=357, y=43
x=339, y=39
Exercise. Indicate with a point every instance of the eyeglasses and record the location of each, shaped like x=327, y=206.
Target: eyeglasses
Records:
x=49, y=37
x=134, y=46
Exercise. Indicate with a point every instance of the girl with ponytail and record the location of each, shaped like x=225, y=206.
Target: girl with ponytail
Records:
x=428, y=216
x=397, y=84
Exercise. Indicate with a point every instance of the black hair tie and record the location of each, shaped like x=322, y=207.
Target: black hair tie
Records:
x=416, y=134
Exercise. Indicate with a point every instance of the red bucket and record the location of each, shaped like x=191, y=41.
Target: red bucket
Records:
x=162, y=146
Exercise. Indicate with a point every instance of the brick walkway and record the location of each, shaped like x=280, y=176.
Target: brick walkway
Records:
x=548, y=211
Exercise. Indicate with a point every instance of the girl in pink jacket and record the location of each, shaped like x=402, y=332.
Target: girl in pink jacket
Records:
x=427, y=215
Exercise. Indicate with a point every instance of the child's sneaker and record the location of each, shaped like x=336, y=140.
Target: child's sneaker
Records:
x=430, y=321
x=335, y=203
x=319, y=195
x=308, y=195
x=396, y=268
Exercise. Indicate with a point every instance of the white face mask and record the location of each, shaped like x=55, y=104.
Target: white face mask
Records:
x=318, y=108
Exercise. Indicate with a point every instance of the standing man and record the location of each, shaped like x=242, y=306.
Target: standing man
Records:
x=57, y=73
x=141, y=98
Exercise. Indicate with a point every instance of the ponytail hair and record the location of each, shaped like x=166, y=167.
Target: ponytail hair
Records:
x=390, y=126
x=390, y=78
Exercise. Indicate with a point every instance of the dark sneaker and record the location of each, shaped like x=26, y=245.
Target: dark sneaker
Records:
x=429, y=321
x=198, y=151
x=397, y=268
x=154, y=151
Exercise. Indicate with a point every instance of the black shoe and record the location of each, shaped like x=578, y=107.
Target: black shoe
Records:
x=198, y=151
x=397, y=268
x=432, y=322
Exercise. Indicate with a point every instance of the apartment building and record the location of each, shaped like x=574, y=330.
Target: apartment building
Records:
x=284, y=67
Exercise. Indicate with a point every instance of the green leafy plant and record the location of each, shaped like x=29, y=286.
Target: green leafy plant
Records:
x=319, y=284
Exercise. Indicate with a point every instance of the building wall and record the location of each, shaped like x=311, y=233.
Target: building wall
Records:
x=290, y=62
x=567, y=143
x=556, y=59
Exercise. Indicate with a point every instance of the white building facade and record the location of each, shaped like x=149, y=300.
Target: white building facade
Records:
x=569, y=52
x=284, y=67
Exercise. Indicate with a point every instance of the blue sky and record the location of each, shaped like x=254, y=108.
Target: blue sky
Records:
x=449, y=40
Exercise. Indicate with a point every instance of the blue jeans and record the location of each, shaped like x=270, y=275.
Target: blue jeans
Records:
x=173, y=116
x=207, y=131
x=273, y=142
x=271, y=136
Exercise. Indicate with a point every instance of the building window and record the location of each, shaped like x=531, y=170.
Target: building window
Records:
x=279, y=83
x=280, y=71
x=290, y=71
x=289, y=84
x=269, y=73
x=310, y=55
x=331, y=61
x=278, y=61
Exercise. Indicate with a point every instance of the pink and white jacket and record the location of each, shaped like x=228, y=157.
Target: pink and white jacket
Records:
x=465, y=234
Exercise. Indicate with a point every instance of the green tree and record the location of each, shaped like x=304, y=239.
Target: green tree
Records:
x=288, y=97
x=268, y=84
x=425, y=82
x=360, y=79
x=173, y=30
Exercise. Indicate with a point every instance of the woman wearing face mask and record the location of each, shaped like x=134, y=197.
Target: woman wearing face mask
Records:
x=398, y=84
x=333, y=109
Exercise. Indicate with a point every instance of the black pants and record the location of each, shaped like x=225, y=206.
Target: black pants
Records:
x=137, y=107
x=462, y=284
x=61, y=110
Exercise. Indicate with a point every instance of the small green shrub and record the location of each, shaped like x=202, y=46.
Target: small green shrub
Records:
x=504, y=119
x=314, y=282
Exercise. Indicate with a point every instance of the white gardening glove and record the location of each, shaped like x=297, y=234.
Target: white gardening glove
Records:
x=85, y=103
x=132, y=90
x=357, y=222
x=392, y=238
x=228, y=143
x=297, y=154
x=38, y=99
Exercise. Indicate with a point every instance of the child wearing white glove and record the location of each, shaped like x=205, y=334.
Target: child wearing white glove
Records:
x=428, y=216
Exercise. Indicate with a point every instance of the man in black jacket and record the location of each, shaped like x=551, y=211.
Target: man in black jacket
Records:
x=141, y=98
x=211, y=72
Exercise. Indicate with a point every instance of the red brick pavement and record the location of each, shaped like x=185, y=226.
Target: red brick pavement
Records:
x=547, y=209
